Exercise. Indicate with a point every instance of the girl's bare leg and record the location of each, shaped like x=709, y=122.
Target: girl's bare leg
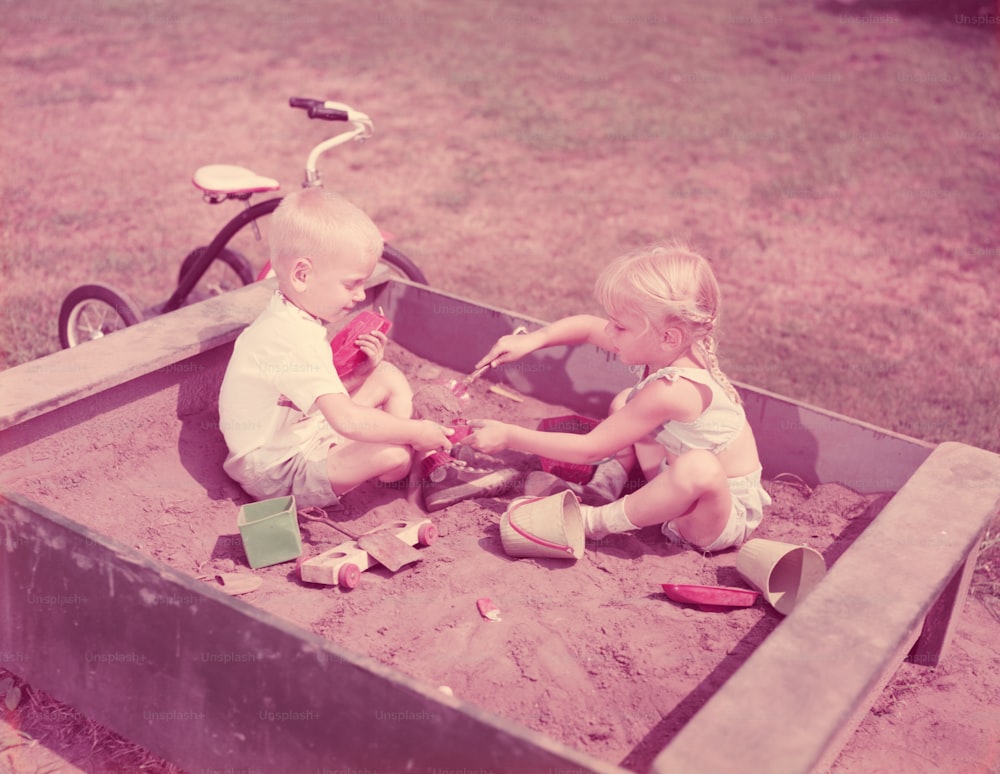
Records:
x=693, y=492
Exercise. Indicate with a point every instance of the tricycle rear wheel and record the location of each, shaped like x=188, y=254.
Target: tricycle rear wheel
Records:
x=229, y=270
x=401, y=264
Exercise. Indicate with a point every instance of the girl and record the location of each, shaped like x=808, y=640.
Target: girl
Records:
x=683, y=422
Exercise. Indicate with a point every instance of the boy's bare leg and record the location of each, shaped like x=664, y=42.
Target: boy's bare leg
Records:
x=351, y=463
x=386, y=388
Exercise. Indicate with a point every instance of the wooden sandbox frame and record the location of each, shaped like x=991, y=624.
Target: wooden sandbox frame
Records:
x=69, y=594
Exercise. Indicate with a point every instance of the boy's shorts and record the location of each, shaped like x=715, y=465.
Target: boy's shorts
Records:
x=304, y=475
x=749, y=500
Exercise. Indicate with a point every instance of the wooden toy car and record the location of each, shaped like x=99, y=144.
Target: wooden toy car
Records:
x=342, y=565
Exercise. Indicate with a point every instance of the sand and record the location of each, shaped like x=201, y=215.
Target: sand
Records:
x=589, y=652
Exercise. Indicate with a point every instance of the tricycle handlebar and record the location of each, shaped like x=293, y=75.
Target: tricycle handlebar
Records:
x=303, y=102
x=317, y=108
x=331, y=111
x=327, y=114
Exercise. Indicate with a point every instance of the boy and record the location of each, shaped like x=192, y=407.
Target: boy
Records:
x=291, y=424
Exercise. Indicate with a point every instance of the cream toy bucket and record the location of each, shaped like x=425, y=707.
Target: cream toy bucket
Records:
x=543, y=527
x=784, y=573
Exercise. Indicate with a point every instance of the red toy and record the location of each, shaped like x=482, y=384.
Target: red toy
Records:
x=710, y=597
x=462, y=430
x=568, y=471
x=346, y=354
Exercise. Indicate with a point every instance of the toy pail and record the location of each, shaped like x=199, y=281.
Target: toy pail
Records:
x=549, y=527
x=784, y=573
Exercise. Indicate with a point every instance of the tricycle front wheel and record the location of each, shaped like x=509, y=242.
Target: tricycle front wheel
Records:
x=93, y=311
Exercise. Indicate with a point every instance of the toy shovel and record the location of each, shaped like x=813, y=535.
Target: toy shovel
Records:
x=460, y=387
x=387, y=549
x=383, y=546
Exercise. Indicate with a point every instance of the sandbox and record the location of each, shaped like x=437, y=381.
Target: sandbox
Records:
x=122, y=520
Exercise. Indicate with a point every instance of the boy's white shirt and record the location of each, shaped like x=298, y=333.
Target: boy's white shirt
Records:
x=280, y=364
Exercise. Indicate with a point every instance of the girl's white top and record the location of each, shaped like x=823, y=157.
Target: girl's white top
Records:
x=716, y=427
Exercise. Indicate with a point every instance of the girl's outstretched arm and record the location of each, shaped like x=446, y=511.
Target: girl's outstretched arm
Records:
x=576, y=329
x=604, y=441
x=648, y=410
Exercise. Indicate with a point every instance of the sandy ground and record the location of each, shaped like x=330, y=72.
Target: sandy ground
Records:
x=589, y=652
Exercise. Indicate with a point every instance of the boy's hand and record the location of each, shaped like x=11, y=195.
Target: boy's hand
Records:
x=508, y=348
x=373, y=345
x=490, y=436
x=430, y=436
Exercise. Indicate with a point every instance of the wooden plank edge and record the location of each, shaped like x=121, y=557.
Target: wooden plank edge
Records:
x=799, y=696
x=211, y=682
x=47, y=383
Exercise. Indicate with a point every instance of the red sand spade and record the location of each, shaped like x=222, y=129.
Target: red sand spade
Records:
x=710, y=598
x=460, y=387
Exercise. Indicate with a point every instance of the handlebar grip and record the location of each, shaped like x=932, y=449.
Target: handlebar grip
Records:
x=303, y=102
x=327, y=114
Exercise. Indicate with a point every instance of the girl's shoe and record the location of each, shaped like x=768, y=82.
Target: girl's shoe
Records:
x=447, y=481
x=606, y=485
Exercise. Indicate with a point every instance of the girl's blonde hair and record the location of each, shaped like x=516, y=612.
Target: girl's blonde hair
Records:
x=668, y=286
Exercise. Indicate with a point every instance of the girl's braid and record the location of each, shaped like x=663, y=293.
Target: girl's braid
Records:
x=707, y=347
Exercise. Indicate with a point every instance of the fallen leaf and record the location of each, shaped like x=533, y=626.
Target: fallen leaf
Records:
x=235, y=583
x=13, y=698
x=487, y=609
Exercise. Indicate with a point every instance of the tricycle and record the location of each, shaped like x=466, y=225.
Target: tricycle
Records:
x=96, y=309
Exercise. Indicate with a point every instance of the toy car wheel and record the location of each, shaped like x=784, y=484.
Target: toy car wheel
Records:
x=348, y=576
x=228, y=271
x=93, y=311
x=427, y=534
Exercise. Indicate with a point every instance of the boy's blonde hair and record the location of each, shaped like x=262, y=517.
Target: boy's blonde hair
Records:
x=312, y=222
x=668, y=286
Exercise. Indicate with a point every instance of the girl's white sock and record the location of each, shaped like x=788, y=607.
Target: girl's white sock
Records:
x=601, y=521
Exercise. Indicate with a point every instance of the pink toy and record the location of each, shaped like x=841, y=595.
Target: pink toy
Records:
x=346, y=354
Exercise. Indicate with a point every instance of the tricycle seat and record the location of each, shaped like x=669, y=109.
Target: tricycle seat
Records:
x=231, y=179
